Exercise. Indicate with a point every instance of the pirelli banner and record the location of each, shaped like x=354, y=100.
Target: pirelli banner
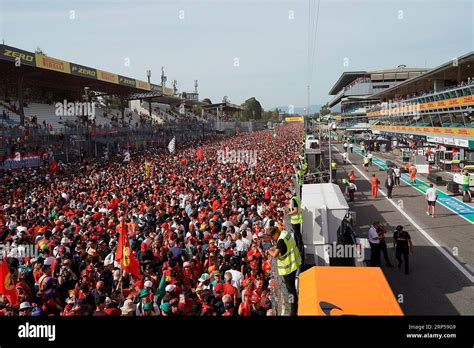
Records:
x=142, y=85
x=106, y=76
x=168, y=91
x=431, y=130
x=19, y=57
x=294, y=119
x=54, y=64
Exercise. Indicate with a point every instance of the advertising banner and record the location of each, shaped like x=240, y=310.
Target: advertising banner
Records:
x=461, y=101
x=294, y=119
x=126, y=81
x=13, y=54
x=432, y=130
x=107, y=76
x=22, y=162
x=155, y=88
x=142, y=85
x=168, y=91
x=54, y=64
x=83, y=71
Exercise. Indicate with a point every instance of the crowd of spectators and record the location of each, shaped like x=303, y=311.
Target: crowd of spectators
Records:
x=197, y=225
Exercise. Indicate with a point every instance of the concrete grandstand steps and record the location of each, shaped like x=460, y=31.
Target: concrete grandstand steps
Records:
x=13, y=118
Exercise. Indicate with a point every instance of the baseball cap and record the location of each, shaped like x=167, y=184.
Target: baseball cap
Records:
x=170, y=287
x=25, y=305
x=148, y=284
x=203, y=277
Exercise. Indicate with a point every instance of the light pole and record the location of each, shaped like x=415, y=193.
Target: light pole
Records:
x=148, y=74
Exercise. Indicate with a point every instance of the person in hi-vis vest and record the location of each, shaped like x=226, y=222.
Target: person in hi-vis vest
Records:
x=296, y=218
x=288, y=260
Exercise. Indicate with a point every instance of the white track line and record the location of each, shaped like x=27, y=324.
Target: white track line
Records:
x=455, y=262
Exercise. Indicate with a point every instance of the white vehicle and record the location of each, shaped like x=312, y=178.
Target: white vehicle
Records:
x=458, y=176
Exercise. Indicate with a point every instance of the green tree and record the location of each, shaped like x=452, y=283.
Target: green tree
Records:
x=252, y=109
x=206, y=101
x=324, y=110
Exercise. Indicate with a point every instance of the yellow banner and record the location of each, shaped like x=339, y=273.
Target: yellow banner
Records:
x=49, y=63
x=294, y=119
x=469, y=132
x=106, y=76
x=168, y=91
x=143, y=85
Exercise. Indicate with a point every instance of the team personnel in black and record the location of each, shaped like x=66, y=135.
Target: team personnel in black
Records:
x=403, y=246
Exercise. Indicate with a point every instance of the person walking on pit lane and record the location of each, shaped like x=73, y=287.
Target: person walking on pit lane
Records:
x=396, y=174
x=351, y=146
x=344, y=157
x=431, y=197
x=383, y=245
x=413, y=172
x=389, y=185
x=374, y=241
x=351, y=176
x=465, y=184
x=403, y=246
x=351, y=188
x=374, y=182
x=366, y=163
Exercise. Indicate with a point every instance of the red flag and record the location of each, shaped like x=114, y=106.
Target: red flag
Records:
x=199, y=154
x=6, y=283
x=53, y=168
x=124, y=254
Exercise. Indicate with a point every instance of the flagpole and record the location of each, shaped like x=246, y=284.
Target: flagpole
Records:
x=121, y=263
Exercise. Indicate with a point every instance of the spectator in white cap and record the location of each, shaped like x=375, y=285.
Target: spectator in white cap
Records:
x=148, y=284
x=128, y=308
x=25, y=309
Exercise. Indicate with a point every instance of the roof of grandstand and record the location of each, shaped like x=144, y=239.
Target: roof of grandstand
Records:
x=456, y=70
x=44, y=71
x=349, y=76
x=224, y=106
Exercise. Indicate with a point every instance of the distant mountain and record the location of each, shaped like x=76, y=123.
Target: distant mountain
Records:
x=312, y=109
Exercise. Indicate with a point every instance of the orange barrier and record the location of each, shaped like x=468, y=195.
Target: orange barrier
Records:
x=334, y=291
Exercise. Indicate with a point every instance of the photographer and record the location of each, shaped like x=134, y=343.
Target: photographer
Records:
x=67, y=279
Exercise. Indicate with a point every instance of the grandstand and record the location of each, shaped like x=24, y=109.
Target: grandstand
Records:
x=39, y=82
x=442, y=97
x=355, y=90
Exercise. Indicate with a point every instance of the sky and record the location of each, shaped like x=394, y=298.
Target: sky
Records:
x=242, y=48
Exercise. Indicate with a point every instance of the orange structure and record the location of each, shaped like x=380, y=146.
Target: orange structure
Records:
x=334, y=291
